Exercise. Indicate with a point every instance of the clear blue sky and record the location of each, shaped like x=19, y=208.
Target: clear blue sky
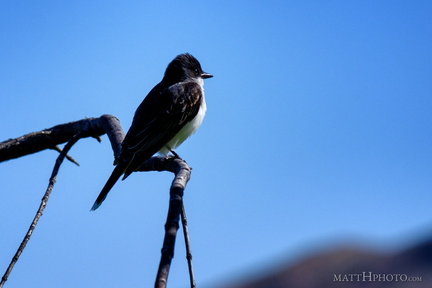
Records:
x=318, y=131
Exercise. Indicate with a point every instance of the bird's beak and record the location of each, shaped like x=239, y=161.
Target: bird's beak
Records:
x=206, y=75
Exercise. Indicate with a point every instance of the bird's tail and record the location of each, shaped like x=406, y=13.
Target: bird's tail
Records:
x=115, y=175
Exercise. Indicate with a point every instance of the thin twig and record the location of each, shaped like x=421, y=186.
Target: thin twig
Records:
x=42, y=206
x=188, y=249
x=68, y=157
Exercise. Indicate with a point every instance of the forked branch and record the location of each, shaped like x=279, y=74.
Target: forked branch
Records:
x=41, y=208
x=95, y=127
x=51, y=137
x=182, y=175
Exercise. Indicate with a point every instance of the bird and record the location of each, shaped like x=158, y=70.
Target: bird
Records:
x=170, y=113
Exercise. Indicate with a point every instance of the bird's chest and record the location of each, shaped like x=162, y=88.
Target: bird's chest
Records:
x=193, y=125
x=187, y=130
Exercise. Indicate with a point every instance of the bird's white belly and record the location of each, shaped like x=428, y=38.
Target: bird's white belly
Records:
x=186, y=131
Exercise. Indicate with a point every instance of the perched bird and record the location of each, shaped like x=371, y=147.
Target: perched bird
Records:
x=171, y=112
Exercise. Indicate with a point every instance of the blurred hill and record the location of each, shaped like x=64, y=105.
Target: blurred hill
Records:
x=352, y=267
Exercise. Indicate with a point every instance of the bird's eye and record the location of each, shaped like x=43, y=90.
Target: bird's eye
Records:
x=196, y=71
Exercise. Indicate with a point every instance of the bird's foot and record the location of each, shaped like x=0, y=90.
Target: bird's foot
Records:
x=175, y=154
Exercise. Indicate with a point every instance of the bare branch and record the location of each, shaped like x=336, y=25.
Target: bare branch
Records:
x=49, y=138
x=68, y=157
x=41, y=208
x=182, y=175
x=94, y=127
x=188, y=249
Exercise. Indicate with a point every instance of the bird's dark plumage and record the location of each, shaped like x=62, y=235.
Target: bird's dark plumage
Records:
x=170, y=113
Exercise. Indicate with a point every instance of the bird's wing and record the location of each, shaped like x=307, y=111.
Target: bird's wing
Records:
x=158, y=119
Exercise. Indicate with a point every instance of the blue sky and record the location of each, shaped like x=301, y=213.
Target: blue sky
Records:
x=318, y=132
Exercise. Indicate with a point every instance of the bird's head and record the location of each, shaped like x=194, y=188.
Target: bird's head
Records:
x=184, y=67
